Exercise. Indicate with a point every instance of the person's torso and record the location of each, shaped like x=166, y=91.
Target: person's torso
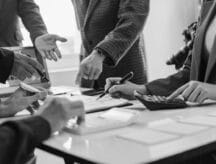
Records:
x=204, y=58
x=10, y=34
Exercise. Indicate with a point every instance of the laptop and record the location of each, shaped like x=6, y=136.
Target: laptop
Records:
x=13, y=83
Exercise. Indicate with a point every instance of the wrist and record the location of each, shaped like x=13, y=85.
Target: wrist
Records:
x=141, y=89
x=99, y=54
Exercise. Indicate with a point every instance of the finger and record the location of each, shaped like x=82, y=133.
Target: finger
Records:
x=188, y=91
x=28, y=74
x=86, y=71
x=36, y=65
x=177, y=92
x=92, y=73
x=78, y=77
x=81, y=117
x=59, y=38
x=58, y=53
x=110, y=82
x=30, y=69
x=97, y=74
x=48, y=55
x=116, y=95
x=53, y=55
x=194, y=95
x=202, y=97
x=117, y=88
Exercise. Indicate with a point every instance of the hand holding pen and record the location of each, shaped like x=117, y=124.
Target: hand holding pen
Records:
x=117, y=81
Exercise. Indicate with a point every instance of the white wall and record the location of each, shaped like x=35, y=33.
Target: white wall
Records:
x=163, y=30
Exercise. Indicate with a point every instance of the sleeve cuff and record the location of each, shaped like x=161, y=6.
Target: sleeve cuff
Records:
x=40, y=128
x=7, y=60
x=108, y=58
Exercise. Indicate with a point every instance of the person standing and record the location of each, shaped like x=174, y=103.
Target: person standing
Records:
x=28, y=11
x=112, y=40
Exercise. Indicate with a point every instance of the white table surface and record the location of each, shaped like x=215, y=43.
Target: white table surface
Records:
x=106, y=147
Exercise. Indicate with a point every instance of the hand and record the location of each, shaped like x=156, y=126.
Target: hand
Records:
x=195, y=91
x=18, y=102
x=57, y=111
x=25, y=67
x=91, y=67
x=46, y=45
x=125, y=90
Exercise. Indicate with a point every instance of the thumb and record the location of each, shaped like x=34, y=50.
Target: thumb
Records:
x=117, y=88
x=78, y=77
x=38, y=96
x=59, y=38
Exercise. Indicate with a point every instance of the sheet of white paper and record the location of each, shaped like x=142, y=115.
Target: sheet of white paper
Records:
x=201, y=120
x=179, y=128
x=91, y=103
x=148, y=136
x=119, y=114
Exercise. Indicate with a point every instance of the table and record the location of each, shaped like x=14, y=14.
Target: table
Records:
x=105, y=147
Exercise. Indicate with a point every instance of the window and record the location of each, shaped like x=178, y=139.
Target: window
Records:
x=60, y=19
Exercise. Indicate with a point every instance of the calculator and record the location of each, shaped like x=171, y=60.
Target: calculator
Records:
x=153, y=102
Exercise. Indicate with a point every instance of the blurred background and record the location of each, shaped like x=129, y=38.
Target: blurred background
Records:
x=163, y=35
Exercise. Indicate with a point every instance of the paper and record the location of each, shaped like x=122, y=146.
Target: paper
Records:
x=119, y=114
x=60, y=90
x=95, y=123
x=147, y=136
x=201, y=120
x=178, y=128
x=92, y=104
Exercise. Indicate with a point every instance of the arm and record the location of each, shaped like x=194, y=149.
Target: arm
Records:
x=30, y=15
x=131, y=19
x=168, y=85
x=19, y=138
x=6, y=64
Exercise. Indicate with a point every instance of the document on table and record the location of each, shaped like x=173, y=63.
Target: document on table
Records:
x=201, y=120
x=147, y=136
x=178, y=128
x=111, y=119
x=91, y=103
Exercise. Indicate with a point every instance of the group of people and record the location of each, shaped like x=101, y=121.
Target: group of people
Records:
x=112, y=45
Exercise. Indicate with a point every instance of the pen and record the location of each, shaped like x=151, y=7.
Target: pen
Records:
x=123, y=79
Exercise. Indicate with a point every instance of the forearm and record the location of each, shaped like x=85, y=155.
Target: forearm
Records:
x=19, y=138
x=31, y=17
x=166, y=86
x=132, y=16
x=6, y=64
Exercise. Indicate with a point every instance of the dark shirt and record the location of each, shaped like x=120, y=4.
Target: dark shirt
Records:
x=19, y=138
